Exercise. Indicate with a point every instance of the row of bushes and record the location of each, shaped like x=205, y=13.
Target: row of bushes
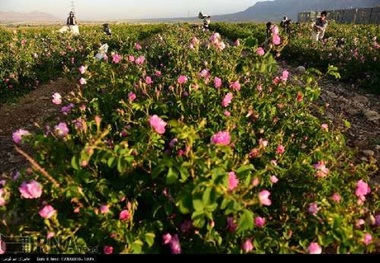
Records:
x=188, y=144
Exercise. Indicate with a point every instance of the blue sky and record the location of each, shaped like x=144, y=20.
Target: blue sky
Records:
x=128, y=9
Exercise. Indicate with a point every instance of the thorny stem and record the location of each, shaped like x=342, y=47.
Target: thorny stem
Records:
x=36, y=166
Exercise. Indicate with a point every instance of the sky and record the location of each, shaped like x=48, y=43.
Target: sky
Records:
x=127, y=9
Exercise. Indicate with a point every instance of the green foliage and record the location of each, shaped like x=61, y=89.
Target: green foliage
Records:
x=357, y=58
x=118, y=180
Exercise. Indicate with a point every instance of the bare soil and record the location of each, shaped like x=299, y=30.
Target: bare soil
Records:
x=30, y=112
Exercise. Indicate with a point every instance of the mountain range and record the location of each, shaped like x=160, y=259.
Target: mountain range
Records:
x=274, y=10
x=262, y=11
x=15, y=17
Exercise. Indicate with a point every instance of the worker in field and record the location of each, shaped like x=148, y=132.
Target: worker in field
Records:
x=71, y=20
x=206, y=23
x=206, y=20
x=273, y=42
x=107, y=29
x=319, y=26
x=285, y=24
x=271, y=34
x=72, y=23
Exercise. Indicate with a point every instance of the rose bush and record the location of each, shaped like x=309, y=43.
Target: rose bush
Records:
x=190, y=145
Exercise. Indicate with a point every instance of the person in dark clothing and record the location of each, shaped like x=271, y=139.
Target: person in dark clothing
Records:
x=206, y=22
x=71, y=20
x=107, y=29
x=319, y=26
x=273, y=41
x=268, y=32
x=71, y=25
x=285, y=24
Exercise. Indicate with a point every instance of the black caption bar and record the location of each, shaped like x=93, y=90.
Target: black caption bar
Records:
x=48, y=258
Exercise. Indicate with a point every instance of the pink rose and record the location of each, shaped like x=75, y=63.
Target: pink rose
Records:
x=157, y=124
x=124, y=215
x=314, y=248
x=247, y=246
x=104, y=209
x=227, y=99
x=17, y=135
x=232, y=181
x=182, y=79
x=221, y=138
x=30, y=190
x=47, y=211
x=264, y=198
x=217, y=82
x=108, y=250
x=260, y=51
x=259, y=221
x=56, y=98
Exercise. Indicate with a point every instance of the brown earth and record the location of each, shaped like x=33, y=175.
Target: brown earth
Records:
x=344, y=102
x=28, y=113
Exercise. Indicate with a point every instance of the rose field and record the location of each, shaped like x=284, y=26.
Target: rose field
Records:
x=183, y=141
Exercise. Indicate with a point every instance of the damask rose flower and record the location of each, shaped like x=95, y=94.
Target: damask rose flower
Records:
x=17, y=135
x=108, y=250
x=227, y=99
x=47, y=211
x=56, y=98
x=314, y=248
x=157, y=124
x=247, y=245
x=264, y=198
x=182, y=79
x=260, y=51
x=124, y=215
x=232, y=181
x=259, y=221
x=61, y=129
x=217, y=82
x=30, y=190
x=221, y=138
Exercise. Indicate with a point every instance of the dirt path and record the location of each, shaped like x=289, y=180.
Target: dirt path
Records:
x=31, y=111
x=344, y=102
x=362, y=111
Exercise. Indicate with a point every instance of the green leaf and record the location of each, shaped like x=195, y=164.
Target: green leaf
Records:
x=198, y=218
x=121, y=165
x=250, y=42
x=71, y=191
x=347, y=123
x=337, y=222
x=149, y=238
x=75, y=162
x=225, y=203
x=211, y=207
x=198, y=205
x=171, y=177
x=157, y=171
x=206, y=196
x=184, y=173
x=244, y=169
x=245, y=221
x=111, y=162
x=136, y=246
x=185, y=204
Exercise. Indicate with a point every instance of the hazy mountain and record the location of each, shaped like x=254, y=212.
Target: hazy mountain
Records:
x=276, y=9
x=14, y=17
x=262, y=11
